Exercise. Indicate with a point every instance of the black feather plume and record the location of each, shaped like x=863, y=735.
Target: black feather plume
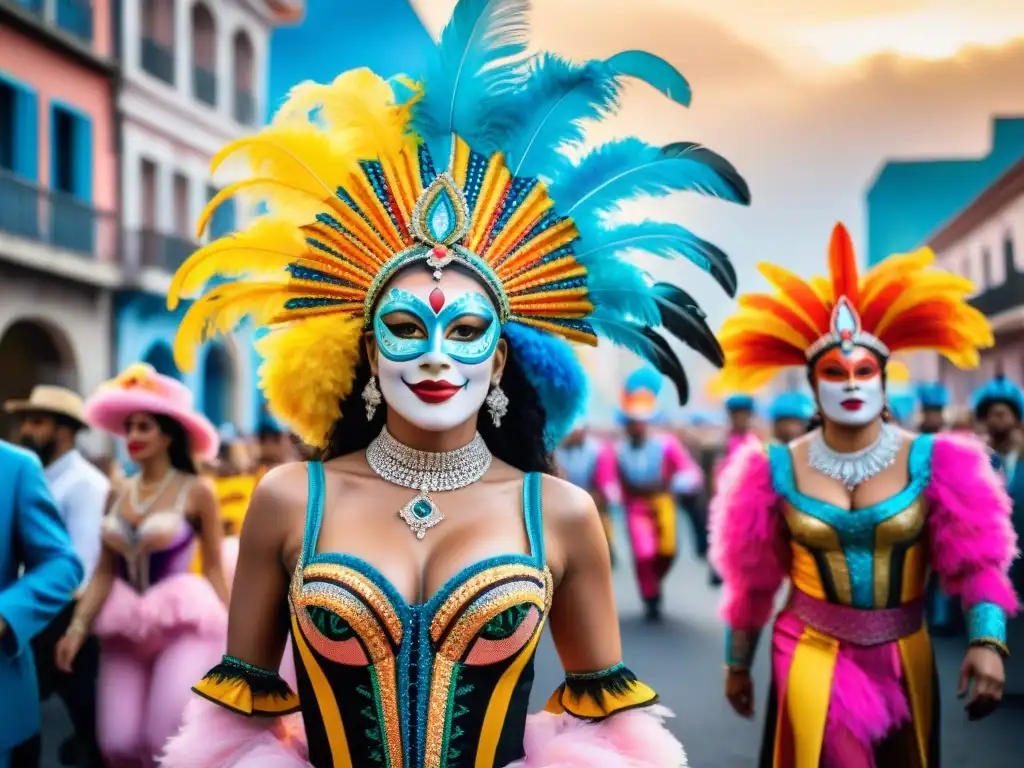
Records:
x=687, y=322
x=667, y=362
x=712, y=160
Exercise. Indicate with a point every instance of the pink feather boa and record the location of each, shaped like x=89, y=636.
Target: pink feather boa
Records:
x=213, y=737
x=747, y=538
x=185, y=602
x=971, y=536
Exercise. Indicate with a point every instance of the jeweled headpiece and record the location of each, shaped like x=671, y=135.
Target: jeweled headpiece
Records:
x=366, y=176
x=901, y=304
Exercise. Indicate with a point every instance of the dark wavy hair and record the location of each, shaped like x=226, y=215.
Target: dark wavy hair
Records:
x=519, y=440
x=180, y=449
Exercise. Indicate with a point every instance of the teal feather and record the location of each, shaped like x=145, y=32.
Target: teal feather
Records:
x=654, y=71
x=558, y=96
x=665, y=239
x=477, y=64
x=621, y=289
x=623, y=169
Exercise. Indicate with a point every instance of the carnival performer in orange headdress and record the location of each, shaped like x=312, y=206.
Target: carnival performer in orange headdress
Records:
x=855, y=514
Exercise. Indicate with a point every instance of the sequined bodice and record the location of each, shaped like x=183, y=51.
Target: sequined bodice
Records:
x=872, y=557
x=161, y=544
x=445, y=683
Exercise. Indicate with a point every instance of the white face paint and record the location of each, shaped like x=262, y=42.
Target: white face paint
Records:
x=435, y=348
x=849, y=387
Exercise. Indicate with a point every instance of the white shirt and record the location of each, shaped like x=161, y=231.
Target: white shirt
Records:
x=80, y=491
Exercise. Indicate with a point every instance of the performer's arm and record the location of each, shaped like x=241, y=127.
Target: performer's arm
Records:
x=598, y=687
x=685, y=475
x=237, y=719
x=606, y=475
x=971, y=537
x=748, y=549
x=203, y=505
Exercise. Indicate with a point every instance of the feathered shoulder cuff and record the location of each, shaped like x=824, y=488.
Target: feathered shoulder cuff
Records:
x=247, y=689
x=597, y=695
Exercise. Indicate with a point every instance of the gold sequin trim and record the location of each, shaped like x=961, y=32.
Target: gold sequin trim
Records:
x=481, y=581
x=364, y=588
x=343, y=603
x=493, y=602
x=437, y=713
x=387, y=688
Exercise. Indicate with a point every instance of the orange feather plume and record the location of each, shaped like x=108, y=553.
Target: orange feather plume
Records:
x=905, y=302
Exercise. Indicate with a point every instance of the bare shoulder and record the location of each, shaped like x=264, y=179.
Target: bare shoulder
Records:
x=279, y=497
x=202, y=493
x=566, y=504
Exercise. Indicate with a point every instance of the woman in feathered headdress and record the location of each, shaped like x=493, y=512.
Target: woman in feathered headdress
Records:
x=427, y=253
x=855, y=514
x=644, y=473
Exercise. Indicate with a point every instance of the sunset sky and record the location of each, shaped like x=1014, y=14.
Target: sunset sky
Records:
x=806, y=97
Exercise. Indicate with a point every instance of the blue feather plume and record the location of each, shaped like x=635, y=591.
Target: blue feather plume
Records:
x=599, y=242
x=621, y=290
x=556, y=374
x=478, y=61
x=558, y=96
x=623, y=169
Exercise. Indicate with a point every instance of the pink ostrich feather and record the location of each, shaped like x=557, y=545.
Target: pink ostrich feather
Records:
x=747, y=538
x=971, y=536
x=213, y=737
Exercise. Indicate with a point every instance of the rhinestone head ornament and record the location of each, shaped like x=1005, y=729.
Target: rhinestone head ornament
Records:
x=427, y=472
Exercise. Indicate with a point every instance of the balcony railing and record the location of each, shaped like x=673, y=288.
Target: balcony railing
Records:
x=55, y=218
x=75, y=16
x=158, y=60
x=33, y=6
x=245, y=107
x=155, y=250
x=204, y=85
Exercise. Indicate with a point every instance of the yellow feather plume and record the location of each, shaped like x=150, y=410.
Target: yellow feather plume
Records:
x=222, y=310
x=308, y=369
x=263, y=250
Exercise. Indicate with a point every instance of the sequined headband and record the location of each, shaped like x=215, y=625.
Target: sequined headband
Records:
x=846, y=333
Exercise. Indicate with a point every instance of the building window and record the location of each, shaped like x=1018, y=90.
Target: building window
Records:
x=8, y=102
x=242, y=55
x=158, y=39
x=204, y=55
x=75, y=16
x=148, y=190
x=63, y=157
x=223, y=220
x=1008, y=255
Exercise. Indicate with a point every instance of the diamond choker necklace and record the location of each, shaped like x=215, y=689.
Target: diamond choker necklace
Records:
x=852, y=469
x=426, y=472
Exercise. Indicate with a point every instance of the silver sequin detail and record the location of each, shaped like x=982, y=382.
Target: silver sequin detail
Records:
x=852, y=469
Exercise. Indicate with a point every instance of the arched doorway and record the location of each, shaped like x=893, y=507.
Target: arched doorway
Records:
x=162, y=360
x=33, y=352
x=218, y=380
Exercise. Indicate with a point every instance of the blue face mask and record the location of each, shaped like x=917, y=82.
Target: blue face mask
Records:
x=467, y=352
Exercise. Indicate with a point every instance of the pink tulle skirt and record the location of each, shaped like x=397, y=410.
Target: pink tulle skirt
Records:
x=215, y=738
x=182, y=604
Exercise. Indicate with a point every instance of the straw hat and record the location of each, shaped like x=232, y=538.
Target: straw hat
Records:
x=52, y=400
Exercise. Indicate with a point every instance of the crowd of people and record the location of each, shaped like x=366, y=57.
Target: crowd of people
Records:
x=424, y=257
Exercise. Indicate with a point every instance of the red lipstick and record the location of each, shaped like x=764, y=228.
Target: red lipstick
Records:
x=433, y=392
x=852, y=405
x=135, y=446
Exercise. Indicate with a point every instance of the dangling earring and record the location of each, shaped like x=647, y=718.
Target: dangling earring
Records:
x=372, y=398
x=497, y=404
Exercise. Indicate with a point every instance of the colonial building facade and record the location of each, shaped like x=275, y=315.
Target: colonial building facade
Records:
x=59, y=237
x=194, y=79
x=985, y=242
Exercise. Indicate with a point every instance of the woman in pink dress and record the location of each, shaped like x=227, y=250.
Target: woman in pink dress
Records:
x=160, y=625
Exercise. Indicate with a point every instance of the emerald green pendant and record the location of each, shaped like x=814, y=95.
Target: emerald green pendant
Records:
x=421, y=514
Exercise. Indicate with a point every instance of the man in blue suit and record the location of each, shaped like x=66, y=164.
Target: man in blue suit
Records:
x=32, y=536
